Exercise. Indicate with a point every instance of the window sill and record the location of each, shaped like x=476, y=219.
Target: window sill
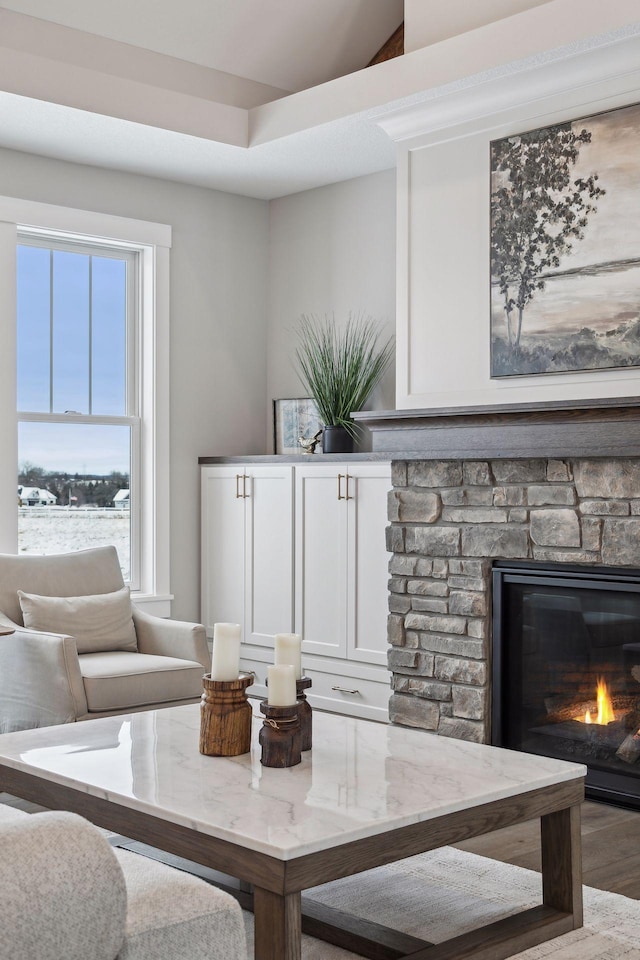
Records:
x=158, y=605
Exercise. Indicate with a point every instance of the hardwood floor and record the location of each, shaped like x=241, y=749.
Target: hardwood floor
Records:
x=610, y=847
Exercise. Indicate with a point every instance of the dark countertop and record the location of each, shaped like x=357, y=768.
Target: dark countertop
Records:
x=317, y=458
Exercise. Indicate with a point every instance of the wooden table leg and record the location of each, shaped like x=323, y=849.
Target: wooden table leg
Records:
x=562, y=862
x=278, y=925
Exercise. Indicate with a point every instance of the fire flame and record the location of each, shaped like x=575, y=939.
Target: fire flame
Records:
x=605, y=707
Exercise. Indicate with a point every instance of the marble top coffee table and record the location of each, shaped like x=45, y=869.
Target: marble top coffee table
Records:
x=366, y=795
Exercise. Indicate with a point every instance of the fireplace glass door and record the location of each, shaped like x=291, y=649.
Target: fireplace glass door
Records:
x=566, y=670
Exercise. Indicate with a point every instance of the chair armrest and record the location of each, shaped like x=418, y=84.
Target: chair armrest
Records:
x=40, y=680
x=171, y=638
x=62, y=890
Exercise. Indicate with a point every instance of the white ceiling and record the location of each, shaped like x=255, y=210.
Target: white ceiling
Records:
x=79, y=82
x=106, y=83
x=290, y=44
x=346, y=148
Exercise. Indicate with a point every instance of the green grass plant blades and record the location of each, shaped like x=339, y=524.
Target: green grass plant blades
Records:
x=340, y=366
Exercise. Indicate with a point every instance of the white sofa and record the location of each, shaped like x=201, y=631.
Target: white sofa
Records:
x=43, y=678
x=65, y=894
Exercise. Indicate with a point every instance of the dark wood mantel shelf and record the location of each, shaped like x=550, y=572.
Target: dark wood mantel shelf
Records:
x=563, y=428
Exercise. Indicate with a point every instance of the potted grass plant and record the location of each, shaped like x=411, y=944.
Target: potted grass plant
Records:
x=339, y=367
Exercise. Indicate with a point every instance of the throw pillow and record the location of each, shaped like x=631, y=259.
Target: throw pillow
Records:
x=98, y=623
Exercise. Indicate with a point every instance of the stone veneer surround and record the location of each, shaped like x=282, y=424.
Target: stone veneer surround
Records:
x=449, y=520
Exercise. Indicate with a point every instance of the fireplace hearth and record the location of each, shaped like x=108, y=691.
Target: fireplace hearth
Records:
x=566, y=670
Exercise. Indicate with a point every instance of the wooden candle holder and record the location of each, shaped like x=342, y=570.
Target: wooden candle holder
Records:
x=280, y=737
x=225, y=716
x=304, y=712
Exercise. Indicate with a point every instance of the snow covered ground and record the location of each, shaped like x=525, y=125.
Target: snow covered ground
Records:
x=61, y=529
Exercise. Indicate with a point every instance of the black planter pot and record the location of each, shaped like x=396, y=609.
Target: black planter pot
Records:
x=337, y=439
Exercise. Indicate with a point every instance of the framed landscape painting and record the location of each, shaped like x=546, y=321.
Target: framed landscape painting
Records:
x=293, y=419
x=565, y=247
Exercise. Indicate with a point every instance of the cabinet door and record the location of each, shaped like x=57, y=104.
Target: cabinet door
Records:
x=223, y=545
x=368, y=562
x=321, y=559
x=269, y=553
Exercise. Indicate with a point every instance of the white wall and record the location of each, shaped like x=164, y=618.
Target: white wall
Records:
x=218, y=321
x=331, y=250
x=443, y=234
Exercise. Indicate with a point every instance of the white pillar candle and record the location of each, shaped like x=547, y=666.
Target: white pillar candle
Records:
x=287, y=650
x=281, y=685
x=226, y=651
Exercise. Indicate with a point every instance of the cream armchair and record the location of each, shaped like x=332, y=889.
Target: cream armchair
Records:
x=45, y=680
x=65, y=894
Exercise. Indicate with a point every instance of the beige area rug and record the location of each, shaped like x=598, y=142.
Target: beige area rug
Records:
x=446, y=892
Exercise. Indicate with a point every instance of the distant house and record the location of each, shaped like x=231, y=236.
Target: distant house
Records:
x=121, y=500
x=35, y=497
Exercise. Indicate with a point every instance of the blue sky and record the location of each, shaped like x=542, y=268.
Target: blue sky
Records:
x=72, y=357
x=74, y=448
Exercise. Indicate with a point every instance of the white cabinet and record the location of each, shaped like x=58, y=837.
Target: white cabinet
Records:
x=341, y=563
x=303, y=548
x=247, y=549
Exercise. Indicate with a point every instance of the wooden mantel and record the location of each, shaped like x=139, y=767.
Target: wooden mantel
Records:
x=562, y=428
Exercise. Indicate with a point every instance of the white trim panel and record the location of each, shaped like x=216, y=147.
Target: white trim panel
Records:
x=49, y=218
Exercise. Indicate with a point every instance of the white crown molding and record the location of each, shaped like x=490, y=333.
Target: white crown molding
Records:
x=573, y=68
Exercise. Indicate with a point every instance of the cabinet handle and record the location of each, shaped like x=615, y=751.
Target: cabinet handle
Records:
x=347, y=478
x=244, y=485
x=344, y=690
x=340, y=476
x=238, y=494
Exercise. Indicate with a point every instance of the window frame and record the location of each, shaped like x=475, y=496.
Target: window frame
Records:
x=88, y=246
x=151, y=244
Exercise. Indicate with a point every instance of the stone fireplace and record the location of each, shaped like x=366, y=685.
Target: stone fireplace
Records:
x=454, y=518
x=450, y=519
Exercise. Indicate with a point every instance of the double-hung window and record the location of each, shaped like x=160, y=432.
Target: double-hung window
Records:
x=78, y=398
x=84, y=388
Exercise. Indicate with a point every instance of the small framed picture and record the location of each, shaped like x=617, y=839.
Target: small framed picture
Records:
x=294, y=420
